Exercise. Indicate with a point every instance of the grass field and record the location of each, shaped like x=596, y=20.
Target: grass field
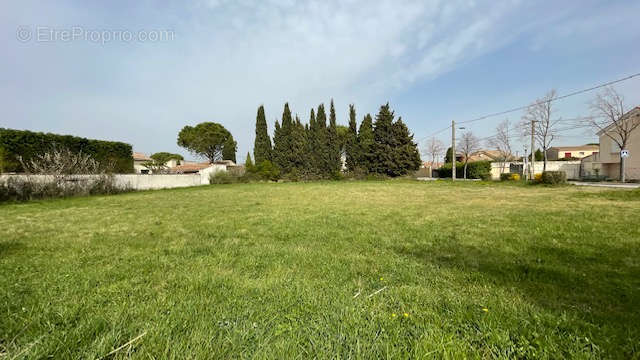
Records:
x=274, y=271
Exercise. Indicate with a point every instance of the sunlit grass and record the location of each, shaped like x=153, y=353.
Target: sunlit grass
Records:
x=328, y=270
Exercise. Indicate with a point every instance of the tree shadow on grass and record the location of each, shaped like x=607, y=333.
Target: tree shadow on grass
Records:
x=11, y=247
x=602, y=286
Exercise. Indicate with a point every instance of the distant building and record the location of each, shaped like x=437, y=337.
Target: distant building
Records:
x=568, y=152
x=138, y=160
x=606, y=163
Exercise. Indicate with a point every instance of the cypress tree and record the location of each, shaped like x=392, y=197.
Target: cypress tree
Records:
x=334, y=161
x=383, y=148
x=282, y=141
x=406, y=154
x=248, y=164
x=298, y=146
x=365, y=144
x=278, y=146
x=351, y=146
x=320, y=151
x=262, y=145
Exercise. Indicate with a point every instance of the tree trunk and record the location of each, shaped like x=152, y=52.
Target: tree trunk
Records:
x=622, y=166
x=544, y=165
x=465, y=170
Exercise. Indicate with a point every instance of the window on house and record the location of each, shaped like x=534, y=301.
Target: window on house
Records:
x=581, y=152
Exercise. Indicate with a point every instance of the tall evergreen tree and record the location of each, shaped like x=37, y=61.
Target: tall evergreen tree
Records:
x=278, y=155
x=366, y=143
x=282, y=142
x=334, y=161
x=406, y=154
x=310, y=158
x=351, y=146
x=298, y=146
x=248, y=164
x=383, y=159
x=319, y=134
x=262, y=144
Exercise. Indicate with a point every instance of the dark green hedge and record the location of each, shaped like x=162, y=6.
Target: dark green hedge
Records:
x=553, y=177
x=28, y=144
x=475, y=170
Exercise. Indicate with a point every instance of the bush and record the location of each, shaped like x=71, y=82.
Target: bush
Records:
x=25, y=188
x=509, y=177
x=223, y=177
x=28, y=144
x=537, y=177
x=475, y=170
x=553, y=177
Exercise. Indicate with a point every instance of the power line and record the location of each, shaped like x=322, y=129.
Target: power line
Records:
x=554, y=99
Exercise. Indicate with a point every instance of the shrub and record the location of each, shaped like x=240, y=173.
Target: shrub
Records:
x=553, y=177
x=475, y=170
x=35, y=187
x=509, y=177
x=537, y=177
x=28, y=144
x=222, y=177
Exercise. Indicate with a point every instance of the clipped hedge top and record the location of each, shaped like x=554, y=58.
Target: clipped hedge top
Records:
x=14, y=143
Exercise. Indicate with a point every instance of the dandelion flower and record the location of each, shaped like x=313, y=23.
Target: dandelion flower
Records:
x=485, y=309
x=393, y=314
x=406, y=315
x=381, y=278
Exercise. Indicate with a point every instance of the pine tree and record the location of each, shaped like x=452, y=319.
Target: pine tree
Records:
x=351, y=147
x=383, y=148
x=334, y=161
x=448, y=155
x=406, y=154
x=262, y=145
x=365, y=144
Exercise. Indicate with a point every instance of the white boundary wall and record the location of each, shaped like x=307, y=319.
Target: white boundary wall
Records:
x=571, y=168
x=137, y=181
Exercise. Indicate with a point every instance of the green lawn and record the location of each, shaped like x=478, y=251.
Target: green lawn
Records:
x=273, y=271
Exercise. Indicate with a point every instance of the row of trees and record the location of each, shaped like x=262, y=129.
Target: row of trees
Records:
x=316, y=149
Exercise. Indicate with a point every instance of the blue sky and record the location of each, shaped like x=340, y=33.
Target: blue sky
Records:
x=434, y=61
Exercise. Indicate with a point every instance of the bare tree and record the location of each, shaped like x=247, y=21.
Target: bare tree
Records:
x=610, y=117
x=468, y=145
x=435, y=148
x=501, y=141
x=544, y=127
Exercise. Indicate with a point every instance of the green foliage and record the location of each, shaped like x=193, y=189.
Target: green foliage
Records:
x=509, y=177
x=553, y=177
x=394, y=152
x=262, y=146
x=28, y=144
x=366, y=141
x=448, y=156
x=538, y=154
x=208, y=139
x=406, y=154
x=352, y=148
x=334, y=162
x=163, y=157
x=475, y=170
x=19, y=188
x=229, y=149
x=248, y=163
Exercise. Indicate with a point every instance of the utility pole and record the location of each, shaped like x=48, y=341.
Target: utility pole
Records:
x=453, y=150
x=525, y=173
x=533, y=155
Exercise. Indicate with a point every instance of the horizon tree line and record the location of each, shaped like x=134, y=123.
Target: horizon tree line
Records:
x=316, y=149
